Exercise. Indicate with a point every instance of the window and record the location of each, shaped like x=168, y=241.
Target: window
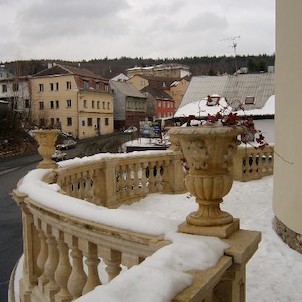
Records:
x=83, y=123
x=85, y=84
x=97, y=86
x=52, y=106
x=41, y=87
x=52, y=121
x=69, y=121
x=41, y=122
x=68, y=103
x=106, y=88
x=249, y=100
x=85, y=104
x=92, y=104
x=41, y=105
x=57, y=86
x=27, y=103
x=4, y=88
x=159, y=104
x=51, y=86
x=57, y=104
x=68, y=85
x=108, y=105
x=98, y=104
x=103, y=105
x=15, y=86
x=106, y=121
x=89, y=121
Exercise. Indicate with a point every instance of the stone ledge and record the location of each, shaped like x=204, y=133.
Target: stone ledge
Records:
x=291, y=238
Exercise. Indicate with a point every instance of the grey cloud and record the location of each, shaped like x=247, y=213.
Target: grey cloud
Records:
x=69, y=17
x=205, y=21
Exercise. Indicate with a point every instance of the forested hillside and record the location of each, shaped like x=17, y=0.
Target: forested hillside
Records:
x=109, y=68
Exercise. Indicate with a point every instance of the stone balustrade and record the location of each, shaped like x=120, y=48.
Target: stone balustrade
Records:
x=117, y=180
x=63, y=255
x=251, y=163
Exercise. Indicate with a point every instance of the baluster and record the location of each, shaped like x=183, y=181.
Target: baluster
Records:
x=122, y=182
x=90, y=185
x=145, y=176
x=63, y=270
x=159, y=177
x=262, y=164
x=127, y=179
x=51, y=262
x=135, y=178
x=92, y=262
x=112, y=259
x=152, y=175
x=42, y=257
x=78, y=278
x=73, y=186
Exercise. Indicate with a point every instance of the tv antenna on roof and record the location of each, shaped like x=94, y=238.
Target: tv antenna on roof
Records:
x=234, y=46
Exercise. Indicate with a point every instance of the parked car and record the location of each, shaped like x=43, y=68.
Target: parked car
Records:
x=131, y=129
x=67, y=144
x=59, y=155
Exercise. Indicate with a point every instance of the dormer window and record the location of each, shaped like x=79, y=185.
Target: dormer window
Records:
x=85, y=84
x=213, y=100
x=249, y=100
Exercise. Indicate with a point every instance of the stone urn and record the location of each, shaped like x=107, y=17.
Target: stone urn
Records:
x=46, y=140
x=208, y=153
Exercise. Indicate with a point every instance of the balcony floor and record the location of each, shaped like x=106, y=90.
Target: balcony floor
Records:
x=275, y=270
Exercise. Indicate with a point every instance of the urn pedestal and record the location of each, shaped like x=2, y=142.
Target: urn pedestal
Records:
x=208, y=152
x=46, y=140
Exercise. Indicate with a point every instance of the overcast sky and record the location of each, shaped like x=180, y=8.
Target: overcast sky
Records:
x=88, y=29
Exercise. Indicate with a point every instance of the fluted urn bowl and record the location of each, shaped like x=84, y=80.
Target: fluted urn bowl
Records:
x=46, y=140
x=208, y=152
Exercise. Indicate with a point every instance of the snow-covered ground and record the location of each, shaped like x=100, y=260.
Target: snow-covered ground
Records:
x=275, y=271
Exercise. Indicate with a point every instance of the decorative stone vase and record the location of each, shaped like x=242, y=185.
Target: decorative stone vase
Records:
x=208, y=152
x=46, y=140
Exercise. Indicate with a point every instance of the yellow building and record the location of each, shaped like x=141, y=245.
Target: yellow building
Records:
x=75, y=100
x=174, y=87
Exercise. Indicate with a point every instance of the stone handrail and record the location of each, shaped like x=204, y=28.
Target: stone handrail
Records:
x=251, y=163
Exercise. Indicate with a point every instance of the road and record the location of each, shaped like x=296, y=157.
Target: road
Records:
x=11, y=170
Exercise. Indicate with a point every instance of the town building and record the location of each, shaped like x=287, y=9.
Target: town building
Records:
x=14, y=92
x=130, y=105
x=75, y=100
x=164, y=93
x=171, y=70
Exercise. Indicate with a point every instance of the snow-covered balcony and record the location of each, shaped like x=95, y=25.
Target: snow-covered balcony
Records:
x=83, y=240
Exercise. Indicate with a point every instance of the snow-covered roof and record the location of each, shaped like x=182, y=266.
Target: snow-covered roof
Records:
x=267, y=109
x=120, y=77
x=234, y=89
x=200, y=109
x=126, y=89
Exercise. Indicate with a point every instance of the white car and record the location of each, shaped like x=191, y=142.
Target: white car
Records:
x=131, y=129
x=59, y=155
x=67, y=144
